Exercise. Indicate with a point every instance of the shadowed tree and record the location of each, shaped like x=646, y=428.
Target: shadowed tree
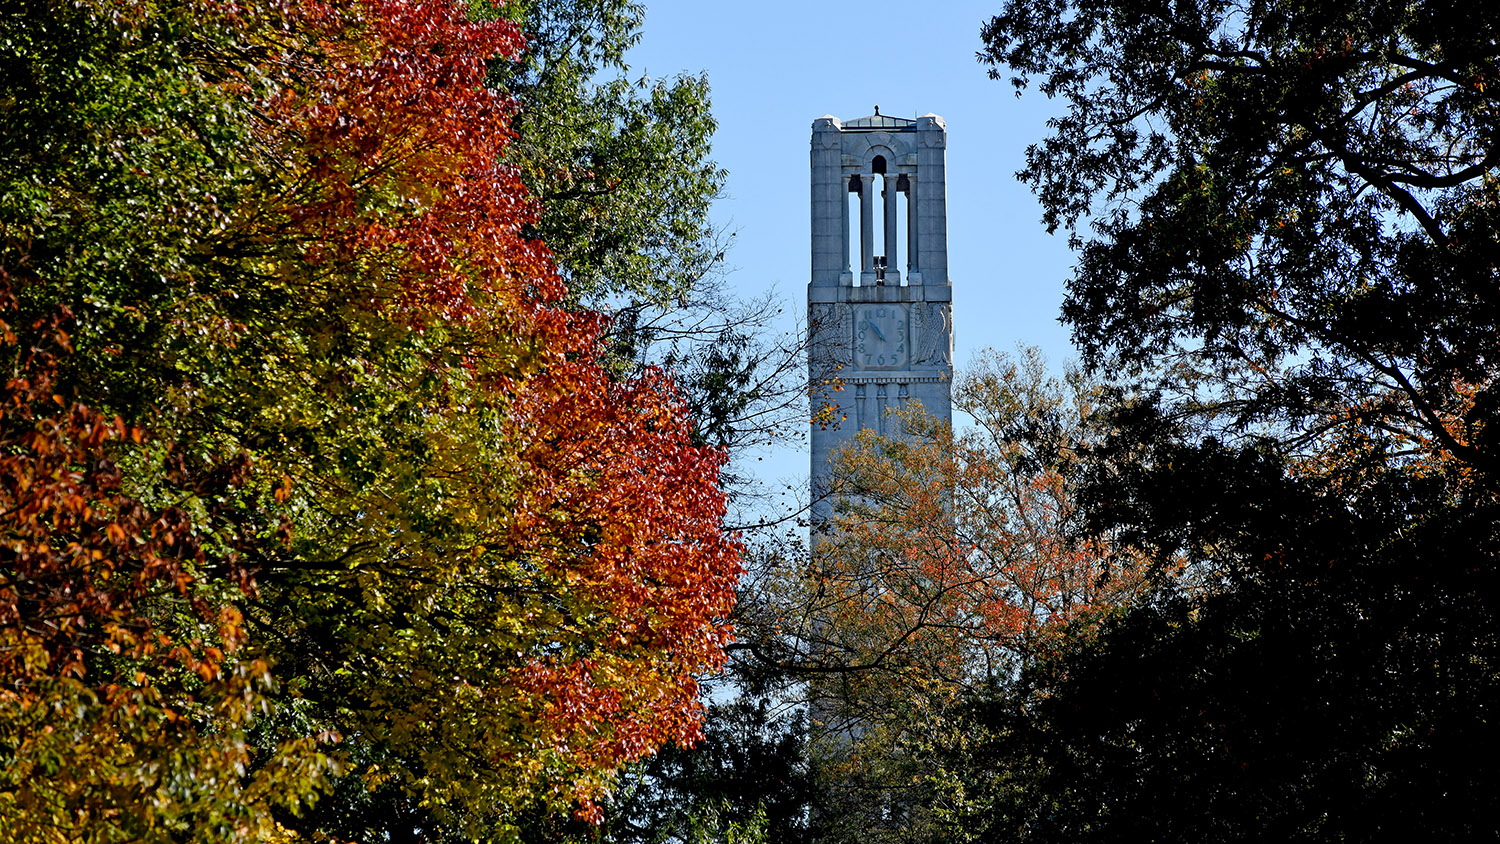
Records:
x=1290, y=253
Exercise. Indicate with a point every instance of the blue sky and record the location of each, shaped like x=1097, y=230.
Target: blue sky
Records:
x=775, y=66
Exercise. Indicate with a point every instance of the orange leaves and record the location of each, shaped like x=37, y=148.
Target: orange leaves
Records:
x=389, y=207
x=394, y=143
x=952, y=560
x=456, y=515
x=282, y=489
x=954, y=557
x=619, y=506
x=78, y=554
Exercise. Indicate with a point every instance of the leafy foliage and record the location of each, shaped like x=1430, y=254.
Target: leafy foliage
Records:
x=1294, y=205
x=126, y=677
x=954, y=554
x=280, y=243
x=1294, y=252
x=748, y=779
x=620, y=165
x=952, y=560
x=1332, y=688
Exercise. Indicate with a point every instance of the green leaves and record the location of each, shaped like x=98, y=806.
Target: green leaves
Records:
x=1262, y=179
x=1292, y=243
x=620, y=165
x=369, y=486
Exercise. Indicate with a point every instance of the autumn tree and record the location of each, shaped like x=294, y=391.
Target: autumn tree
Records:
x=369, y=482
x=127, y=680
x=952, y=559
x=621, y=166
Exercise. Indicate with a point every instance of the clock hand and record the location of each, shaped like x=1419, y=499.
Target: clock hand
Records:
x=876, y=330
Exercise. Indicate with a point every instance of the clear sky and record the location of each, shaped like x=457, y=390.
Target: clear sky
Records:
x=775, y=66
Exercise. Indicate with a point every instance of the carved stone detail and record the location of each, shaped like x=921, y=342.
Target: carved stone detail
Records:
x=934, y=324
x=895, y=378
x=832, y=329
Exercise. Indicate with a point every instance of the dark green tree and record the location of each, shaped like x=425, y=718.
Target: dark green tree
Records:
x=1286, y=218
x=620, y=164
x=1291, y=208
x=1334, y=683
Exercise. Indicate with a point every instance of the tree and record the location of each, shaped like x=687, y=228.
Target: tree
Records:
x=968, y=542
x=1333, y=686
x=619, y=165
x=1292, y=260
x=279, y=243
x=952, y=560
x=741, y=376
x=1294, y=206
x=127, y=680
x=749, y=773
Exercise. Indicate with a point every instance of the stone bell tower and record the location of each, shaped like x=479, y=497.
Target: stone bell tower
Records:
x=882, y=330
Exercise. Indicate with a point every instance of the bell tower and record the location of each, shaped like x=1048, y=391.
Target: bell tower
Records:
x=882, y=331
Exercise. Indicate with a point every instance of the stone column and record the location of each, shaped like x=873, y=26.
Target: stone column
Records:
x=892, y=265
x=880, y=405
x=828, y=193
x=866, y=228
x=913, y=269
x=932, y=205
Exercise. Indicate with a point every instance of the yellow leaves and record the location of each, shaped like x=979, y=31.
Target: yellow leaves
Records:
x=374, y=777
x=579, y=521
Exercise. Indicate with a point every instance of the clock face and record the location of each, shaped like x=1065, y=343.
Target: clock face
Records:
x=880, y=340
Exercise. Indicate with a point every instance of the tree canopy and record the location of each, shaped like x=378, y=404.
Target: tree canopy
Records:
x=619, y=164
x=1291, y=207
x=951, y=560
x=311, y=478
x=1285, y=217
